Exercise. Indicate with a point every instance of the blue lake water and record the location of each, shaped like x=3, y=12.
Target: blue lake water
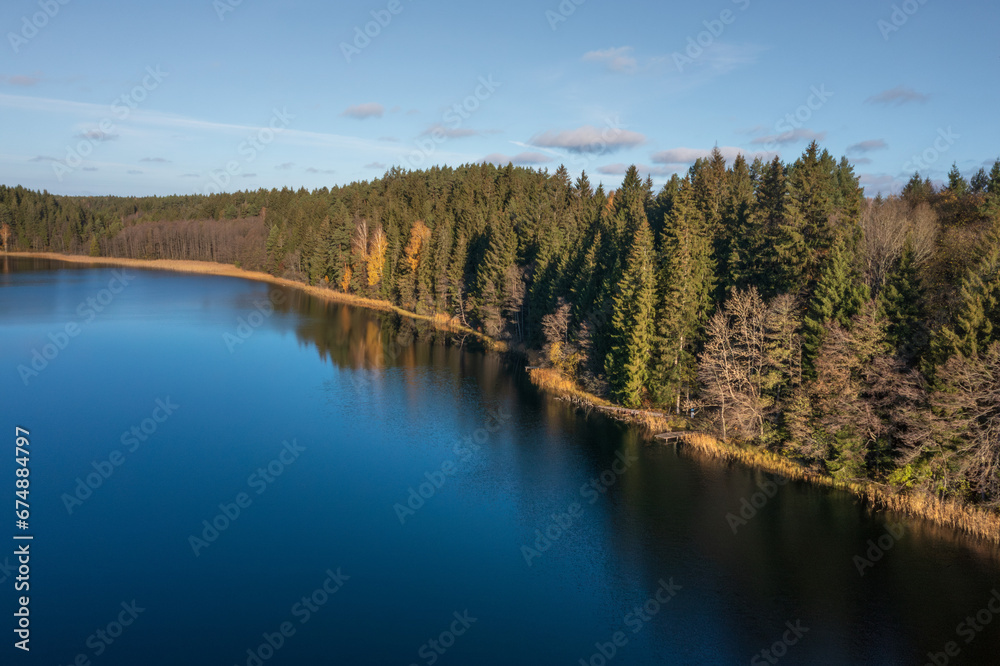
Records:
x=227, y=472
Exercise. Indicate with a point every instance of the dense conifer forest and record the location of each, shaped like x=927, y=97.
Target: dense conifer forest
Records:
x=771, y=301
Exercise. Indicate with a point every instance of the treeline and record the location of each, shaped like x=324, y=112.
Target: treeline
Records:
x=771, y=301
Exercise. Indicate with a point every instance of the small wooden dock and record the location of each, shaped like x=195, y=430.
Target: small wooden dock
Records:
x=677, y=435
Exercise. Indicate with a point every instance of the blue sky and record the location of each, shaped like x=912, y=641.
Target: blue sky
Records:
x=199, y=95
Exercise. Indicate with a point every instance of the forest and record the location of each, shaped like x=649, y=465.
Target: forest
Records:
x=771, y=302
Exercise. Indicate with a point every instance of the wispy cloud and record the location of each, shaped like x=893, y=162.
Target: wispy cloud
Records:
x=134, y=172
x=315, y=170
x=97, y=135
x=898, y=96
x=619, y=169
x=449, y=132
x=157, y=120
x=362, y=111
x=795, y=136
x=43, y=158
x=617, y=59
x=868, y=146
x=525, y=158
x=159, y=160
x=285, y=166
x=20, y=80
x=589, y=139
x=881, y=182
x=375, y=165
x=678, y=157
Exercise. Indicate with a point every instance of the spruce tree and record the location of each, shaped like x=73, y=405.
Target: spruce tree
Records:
x=686, y=279
x=900, y=304
x=627, y=363
x=978, y=317
x=838, y=296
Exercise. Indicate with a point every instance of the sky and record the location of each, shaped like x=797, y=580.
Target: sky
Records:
x=202, y=96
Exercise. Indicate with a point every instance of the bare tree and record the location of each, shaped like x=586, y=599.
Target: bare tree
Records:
x=888, y=227
x=970, y=405
x=733, y=365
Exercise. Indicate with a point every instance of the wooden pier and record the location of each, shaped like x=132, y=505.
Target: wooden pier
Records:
x=680, y=435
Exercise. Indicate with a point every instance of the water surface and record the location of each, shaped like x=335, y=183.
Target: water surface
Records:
x=327, y=423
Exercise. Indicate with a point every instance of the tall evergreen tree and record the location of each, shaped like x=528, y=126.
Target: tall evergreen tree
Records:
x=632, y=323
x=687, y=279
x=839, y=295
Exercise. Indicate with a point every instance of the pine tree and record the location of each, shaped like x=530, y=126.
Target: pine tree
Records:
x=742, y=238
x=686, y=279
x=900, y=304
x=627, y=363
x=979, y=314
x=838, y=296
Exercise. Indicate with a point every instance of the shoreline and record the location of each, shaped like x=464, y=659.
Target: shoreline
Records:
x=963, y=518
x=440, y=321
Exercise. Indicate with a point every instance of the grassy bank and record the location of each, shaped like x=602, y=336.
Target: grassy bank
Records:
x=949, y=513
x=977, y=522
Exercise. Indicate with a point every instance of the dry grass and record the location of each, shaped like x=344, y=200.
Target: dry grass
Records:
x=981, y=523
x=440, y=321
x=972, y=520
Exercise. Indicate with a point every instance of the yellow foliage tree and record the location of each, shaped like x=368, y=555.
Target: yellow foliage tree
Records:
x=376, y=256
x=420, y=235
x=345, y=281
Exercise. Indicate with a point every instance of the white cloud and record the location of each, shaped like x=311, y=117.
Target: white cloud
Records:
x=897, y=96
x=616, y=59
x=362, y=111
x=589, y=139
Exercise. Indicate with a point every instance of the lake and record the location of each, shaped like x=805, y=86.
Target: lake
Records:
x=227, y=472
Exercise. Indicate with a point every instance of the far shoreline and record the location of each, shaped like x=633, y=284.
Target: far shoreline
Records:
x=962, y=518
